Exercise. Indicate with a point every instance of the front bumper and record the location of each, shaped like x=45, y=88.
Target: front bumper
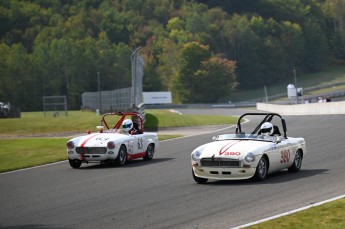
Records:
x=91, y=157
x=224, y=173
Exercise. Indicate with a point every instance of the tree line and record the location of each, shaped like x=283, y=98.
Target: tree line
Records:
x=203, y=51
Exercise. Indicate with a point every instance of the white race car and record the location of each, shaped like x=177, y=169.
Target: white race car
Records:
x=255, y=154
x=113, y=144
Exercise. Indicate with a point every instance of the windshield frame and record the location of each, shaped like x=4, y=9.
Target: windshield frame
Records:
x=248, y=137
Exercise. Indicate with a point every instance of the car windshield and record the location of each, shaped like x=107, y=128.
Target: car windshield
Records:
x=246, y=137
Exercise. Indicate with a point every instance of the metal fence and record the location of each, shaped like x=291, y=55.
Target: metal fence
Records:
x=108, y=101
x=125, y=99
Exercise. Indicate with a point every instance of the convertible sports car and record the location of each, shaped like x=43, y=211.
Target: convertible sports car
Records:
x=254, y=154
x=124, y=141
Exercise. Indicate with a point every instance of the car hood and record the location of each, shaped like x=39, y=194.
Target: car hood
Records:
x=99, y=139
x=233, y=149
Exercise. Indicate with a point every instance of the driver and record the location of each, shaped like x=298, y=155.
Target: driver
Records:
x=266, y=129
x=127, y=126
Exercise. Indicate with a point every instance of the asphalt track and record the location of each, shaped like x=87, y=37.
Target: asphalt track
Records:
x=162, y=193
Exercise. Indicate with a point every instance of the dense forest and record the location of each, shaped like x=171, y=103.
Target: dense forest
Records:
x=202, y=50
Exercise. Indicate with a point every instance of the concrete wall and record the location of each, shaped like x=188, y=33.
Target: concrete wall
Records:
x=304, y=109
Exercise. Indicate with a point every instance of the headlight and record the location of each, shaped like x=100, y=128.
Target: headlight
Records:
x=111, y=145
x=70, y=144
x=249, y=158
x=196, y=155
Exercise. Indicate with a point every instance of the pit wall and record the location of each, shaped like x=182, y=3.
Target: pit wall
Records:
x=304, y=109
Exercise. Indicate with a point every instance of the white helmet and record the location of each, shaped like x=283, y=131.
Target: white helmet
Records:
x=127, y=125
x=266, y=128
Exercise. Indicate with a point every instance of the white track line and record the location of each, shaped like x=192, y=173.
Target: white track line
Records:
x=38, y=166
x=289, y=212
x=245, y=121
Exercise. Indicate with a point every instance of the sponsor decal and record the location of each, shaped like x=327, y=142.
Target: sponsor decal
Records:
x=102, y=139
x=140, y=144
x=224, y=150
x=285, y=156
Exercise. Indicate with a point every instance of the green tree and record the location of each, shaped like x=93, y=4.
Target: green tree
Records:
x=15, y=81
x=192, y=56
x=334, y=11
x=214, y=81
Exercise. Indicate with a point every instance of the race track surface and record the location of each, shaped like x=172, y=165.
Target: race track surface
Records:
x=162, y=193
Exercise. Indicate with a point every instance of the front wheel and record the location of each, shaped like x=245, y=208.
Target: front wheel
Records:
x=149, y=152
x=199, y=180
x=121, y=156
x=297, y=163
x=261, y=169
x=75, y=164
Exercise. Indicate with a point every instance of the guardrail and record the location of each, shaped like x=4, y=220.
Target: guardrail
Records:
x=200, y=106
x=304, y=109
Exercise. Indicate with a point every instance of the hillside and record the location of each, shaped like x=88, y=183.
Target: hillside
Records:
x=50, y=48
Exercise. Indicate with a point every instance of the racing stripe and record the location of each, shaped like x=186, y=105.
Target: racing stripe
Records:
x=86, y=140
x=222, y=150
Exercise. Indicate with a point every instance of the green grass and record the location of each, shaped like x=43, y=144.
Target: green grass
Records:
x=329, y=215
x=21, y=150
x=34, y=123
x=22, y=153
x=166, y=118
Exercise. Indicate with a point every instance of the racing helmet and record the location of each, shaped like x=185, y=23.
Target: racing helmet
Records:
x=266, y=128
x=127, y=125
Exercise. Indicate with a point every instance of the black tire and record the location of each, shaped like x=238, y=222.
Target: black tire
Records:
x=121, y=156
x=199, y=180
x=261, y=169
x=149, y=152
x=297, y=162
x=75, y=164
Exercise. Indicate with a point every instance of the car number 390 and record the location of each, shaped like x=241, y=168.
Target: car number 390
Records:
x=285, y=156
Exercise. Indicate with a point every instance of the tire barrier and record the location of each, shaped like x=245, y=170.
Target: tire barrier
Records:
x=9, y=111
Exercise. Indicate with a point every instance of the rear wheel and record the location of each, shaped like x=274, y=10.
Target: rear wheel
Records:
x=121, y=156
x=297, y=163
x=75, y=164
x=149, y=152
x=261, y=169
x=199, y=180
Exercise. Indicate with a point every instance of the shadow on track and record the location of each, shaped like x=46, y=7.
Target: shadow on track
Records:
x=275, y=178
x=129, y=164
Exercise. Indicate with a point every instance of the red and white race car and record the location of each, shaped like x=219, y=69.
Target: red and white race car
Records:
x=244, y=155
x=124, y=141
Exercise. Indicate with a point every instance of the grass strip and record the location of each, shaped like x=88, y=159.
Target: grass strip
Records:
x=20, y=153
x=328, y=215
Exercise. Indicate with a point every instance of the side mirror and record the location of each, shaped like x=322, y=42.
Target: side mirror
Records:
x=278, y=139
x=100, y=128
x=214, y=138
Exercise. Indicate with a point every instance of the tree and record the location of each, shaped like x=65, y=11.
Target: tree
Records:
x=203, y=77
x=334, y=11
x=214, y=81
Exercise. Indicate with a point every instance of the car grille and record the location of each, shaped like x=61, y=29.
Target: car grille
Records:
x=219, y=162
x=91, y=150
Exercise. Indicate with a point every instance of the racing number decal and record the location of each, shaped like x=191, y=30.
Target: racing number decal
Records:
x=140, y=143
x=285, y=156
